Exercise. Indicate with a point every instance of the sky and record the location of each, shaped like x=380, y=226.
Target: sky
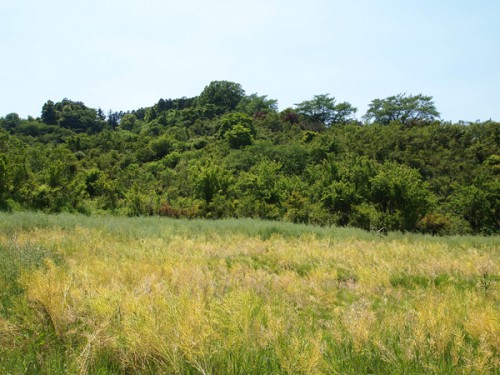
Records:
x=126, y=54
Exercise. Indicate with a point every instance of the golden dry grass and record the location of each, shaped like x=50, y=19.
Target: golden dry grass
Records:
x=232, y=303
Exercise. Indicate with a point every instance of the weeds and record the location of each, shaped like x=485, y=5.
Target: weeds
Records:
x=149, y=295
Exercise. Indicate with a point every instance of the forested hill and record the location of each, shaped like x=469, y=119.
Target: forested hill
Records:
x=228, y=154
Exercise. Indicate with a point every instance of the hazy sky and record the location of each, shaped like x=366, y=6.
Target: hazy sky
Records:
x=126, y=54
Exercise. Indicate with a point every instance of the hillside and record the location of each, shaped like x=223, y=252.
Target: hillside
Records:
x=227, y=154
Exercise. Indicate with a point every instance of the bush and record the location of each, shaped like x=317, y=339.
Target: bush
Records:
x=239, y=136
x=366, y=216
x=435, y=224
x=167, y=210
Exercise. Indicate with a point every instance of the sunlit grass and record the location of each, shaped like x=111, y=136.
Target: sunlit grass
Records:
x=148, y=295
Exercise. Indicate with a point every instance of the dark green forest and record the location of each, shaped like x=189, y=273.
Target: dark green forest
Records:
x=225, y=154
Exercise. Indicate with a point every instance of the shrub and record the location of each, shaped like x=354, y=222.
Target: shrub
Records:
x=435, y=224
x=167, y=210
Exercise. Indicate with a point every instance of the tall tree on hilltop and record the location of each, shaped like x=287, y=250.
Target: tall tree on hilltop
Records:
x=49, y=114
x=224, y=95
x=324, y=109
x=405, y=109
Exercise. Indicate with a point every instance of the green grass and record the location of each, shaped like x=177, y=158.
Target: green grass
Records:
x=138, y=227
x=114, y=295
x=34, y=348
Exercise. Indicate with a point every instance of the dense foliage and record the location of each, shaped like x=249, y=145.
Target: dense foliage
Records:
x=228, y=154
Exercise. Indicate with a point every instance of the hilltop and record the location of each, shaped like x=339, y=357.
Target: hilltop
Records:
x=225, y=154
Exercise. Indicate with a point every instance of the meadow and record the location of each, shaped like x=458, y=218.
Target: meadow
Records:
x=116, y=295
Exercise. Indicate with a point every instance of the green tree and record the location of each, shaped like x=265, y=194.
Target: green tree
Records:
x=77, y=117
x=161, y=146
x=339, y=199
x=324, y=109
x=262, y=182
x=11, y=121
x=49, y=113
x=399, y=193
x=405, y=109
x=239, y=136
x=3, y=183
x=260, y=191
x=128, y=122
x=254, y=105
x=224, y=95
x=478, y=205
x=211, y=181
x=230, y=120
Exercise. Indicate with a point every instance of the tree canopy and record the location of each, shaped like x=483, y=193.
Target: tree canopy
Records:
x=227, y=154
x=224, y=95
x=406, y=109
x=324, y=109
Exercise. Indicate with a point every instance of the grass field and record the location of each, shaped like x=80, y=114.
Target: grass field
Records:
x=105, y=295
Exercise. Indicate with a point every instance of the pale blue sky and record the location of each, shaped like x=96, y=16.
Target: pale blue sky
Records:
x=126, y=54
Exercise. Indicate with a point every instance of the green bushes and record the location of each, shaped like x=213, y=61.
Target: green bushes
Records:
x=233, y=155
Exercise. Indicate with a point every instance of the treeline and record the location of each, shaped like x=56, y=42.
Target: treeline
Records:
x=228, y=154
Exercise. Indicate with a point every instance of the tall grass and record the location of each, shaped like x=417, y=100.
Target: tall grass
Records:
x=139, y=227
x=150, y=295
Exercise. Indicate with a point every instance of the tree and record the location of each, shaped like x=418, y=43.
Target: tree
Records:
x=239, y=136
x=339, y=199
x=11, y=121
x=161, y=146
x=3, y=182
x=400, y=194
x=261, y=190
x=230, y=120
x=323, y=109
x=223, y=94
x=77, y=117
x=405, y=109
x=478, y=205
x=254, y=104
x=211, y=181
x=128, y=122
x=49, y=114
x=113, y=119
